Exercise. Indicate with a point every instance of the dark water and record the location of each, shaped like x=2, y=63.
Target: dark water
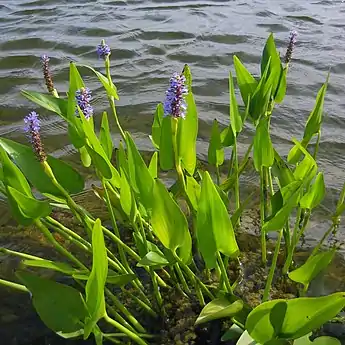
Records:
x=152, y=39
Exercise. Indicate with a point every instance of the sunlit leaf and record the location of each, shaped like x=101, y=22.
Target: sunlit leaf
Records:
x=153, y=259
x=153, y=166
x=188, y=128
x=214, y=227
x=94, y=289
x=105, y=136
x=245, y=80
x=301, y=316
x=166, y=152
x=215, y=149
x=316, y=193
x=235, y=117
x=26, y=160
x=312, y=267
x=157, y=125
x=219, y=308
x=263, y=148
x=169, y=223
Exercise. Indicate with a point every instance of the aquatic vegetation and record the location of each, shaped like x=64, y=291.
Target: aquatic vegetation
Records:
x=180, y=239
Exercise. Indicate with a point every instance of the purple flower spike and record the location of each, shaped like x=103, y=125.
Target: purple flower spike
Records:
x=103, y=50
x=174, y=103
x=32, y=128
x=291, y=46
x=83, y=97
x=46, y=73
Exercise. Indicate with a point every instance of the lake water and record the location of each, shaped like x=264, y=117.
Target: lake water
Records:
x=152, y=39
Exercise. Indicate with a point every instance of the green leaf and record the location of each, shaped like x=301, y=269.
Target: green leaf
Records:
x=100, y=163
x=12, y=176
x=275, y=68
x=121, y=159
x=215, y=149
x=166, y=152
x=52, y=265
x=281, y=170
x=169, y=223
x=302, y=316
x=261, y=98
x=193, y=191
x=263, y=148
x=305, y=170
x=30, y=207
x=312, y=267
x=214, y=227
x=157, y=125
x=316, y=193
x=105, y=136
x=234, y=332
x=140, y=244
x=126, y=199
x=153, y=166
x=227, y=137
x=140, y=177
x=56, y=105
x=153, y=259
x=60, y=307
x=290, y=194
x=112, y=278
x=95, y=285
x=108, y=85
x=219, y=308
x=314, y=121
x=281, y=90
x=246, y=339
x=26, y=160
x=188, y=128
x=235, y=117
x=326, y=341
x=313, y=124
x=245, y=80
x=85, y=157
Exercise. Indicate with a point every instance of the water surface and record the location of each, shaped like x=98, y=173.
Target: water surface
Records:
x=153, y=38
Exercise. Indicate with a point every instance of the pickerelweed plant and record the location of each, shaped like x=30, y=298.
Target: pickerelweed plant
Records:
x=170, y=226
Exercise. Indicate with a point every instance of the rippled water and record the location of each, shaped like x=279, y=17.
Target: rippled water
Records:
x=151, y=39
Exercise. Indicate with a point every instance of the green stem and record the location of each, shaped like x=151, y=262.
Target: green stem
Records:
x=325, y=235
x=182, y=278
x=126, y=331
x=114, y=224
x=224, y=274
x=237, y=183
x=20, y=255
x=48, y=235
x=262, y=217
x=125, y=311
x=111, y=99
x=272, y=268
x=317, y=145
x=12, y=285
x=217, y=174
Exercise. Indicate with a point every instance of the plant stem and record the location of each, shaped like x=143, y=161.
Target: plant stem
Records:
x=20, y=255
x=125, y=311
x=317, y=145
x=114, y=224
x=126, y=331
x=111, y=98
x=217, y=174
x=48, y=235
x=325, y=235
x=237, y=183
x=12, y=285
x=182, y=278
x=262, y=216
x=224, y=274
x=272, y=268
